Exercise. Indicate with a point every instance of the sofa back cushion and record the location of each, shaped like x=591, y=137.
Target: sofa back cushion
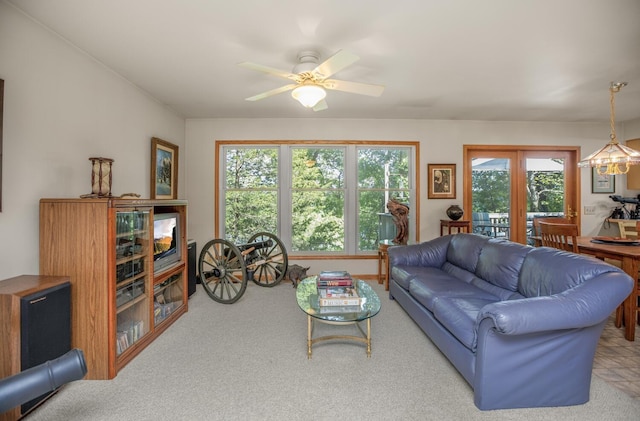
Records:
x=464, y=250
x=547, y=271
x=500, y=262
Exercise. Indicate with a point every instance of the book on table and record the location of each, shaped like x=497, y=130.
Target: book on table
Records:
x=348, y=298
x=334, y=278
x=340, y=309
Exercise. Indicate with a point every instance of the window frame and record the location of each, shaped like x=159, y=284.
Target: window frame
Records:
x=351, y=182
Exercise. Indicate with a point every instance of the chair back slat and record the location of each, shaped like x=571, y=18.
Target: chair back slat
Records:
x=560, y=236
x=629, y=228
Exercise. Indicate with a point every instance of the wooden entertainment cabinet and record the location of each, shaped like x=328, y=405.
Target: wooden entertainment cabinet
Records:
x=106, y=247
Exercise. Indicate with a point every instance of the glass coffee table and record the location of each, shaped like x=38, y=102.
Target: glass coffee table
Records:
x=307, y=297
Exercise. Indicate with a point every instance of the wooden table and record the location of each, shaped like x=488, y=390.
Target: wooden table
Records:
x=383, y=263
x=460, y=225
x=630, y=258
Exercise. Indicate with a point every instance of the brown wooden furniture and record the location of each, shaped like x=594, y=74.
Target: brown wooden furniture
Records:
x=560, y=236
x=629, y=256
x=105, y=246
x=383, y=263
x=629, y=228
x=11, y=292
x=459, y=225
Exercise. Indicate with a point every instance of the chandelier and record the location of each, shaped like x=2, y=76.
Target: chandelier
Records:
x=613, y=158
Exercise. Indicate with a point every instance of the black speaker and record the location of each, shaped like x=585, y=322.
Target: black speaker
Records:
x=191, y=266
x=45, y=329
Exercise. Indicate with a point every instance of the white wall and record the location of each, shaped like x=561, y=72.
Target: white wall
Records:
x=60, y=108
x=441, y=142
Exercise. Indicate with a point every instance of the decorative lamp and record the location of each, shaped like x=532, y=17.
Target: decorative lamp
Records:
x=309, y=95
x=613, y=158
x=101, y=176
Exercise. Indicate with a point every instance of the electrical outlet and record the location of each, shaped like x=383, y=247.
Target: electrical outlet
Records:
x=589, y=210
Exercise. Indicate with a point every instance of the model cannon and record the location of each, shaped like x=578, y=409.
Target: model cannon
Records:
x=225, y=268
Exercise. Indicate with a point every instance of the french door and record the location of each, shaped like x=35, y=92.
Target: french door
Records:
x=506, y=186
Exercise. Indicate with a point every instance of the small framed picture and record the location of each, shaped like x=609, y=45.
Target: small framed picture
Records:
x=602, y=183
x=441, y=180
x=164, y=169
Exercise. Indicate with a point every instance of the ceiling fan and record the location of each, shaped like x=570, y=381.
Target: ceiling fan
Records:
x=311, y=79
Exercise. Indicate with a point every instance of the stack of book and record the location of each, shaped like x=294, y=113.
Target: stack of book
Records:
x=336, y=288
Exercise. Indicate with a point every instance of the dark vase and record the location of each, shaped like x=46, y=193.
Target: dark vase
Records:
x=454, y=212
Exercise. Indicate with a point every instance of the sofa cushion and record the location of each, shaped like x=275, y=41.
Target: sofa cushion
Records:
x=459, y=316
x=430, y=289
x=539, y=275
x=464, y=250
x=404, y=274
x=500, y=262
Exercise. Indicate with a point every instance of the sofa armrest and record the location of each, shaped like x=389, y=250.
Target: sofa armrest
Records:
x=584, y=305
x=430, y=253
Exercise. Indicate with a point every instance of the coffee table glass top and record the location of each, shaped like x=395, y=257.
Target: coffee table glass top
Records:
x=307, y=297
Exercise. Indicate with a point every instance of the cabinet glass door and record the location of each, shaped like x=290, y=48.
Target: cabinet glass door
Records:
x=132, y=277
x=167, y=298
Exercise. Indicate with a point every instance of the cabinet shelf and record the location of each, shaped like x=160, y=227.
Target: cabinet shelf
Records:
x=131, y=303
x=127, y=281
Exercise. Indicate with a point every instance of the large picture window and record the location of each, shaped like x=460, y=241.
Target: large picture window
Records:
x=319, y=199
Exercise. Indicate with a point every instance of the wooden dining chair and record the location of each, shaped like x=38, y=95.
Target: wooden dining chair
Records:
x=536, y=226
x=560, y=236
x=629, y=228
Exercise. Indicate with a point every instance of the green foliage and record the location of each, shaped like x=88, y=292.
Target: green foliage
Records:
x=318, y=189
x=491, y=191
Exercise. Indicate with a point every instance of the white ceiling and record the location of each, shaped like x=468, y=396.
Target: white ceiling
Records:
x=529, y=60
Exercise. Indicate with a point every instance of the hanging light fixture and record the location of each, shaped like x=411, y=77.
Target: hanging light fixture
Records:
x=613, y=158
x=309, y=95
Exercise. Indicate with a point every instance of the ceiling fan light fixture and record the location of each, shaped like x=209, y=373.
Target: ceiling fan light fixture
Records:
x=309, y=95
x=613, y=158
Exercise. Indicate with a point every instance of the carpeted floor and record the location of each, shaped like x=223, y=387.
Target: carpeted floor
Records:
x=247, y=361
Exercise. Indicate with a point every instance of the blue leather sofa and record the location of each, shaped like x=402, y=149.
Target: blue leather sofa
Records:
x=521, y=324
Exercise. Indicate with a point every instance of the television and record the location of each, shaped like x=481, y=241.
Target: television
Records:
x=167, y=247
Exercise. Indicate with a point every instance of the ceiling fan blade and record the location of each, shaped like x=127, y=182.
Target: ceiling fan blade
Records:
x=267, y=69
x=322, y=105
x=334, y=64
x=271, y=92
x=354, y=87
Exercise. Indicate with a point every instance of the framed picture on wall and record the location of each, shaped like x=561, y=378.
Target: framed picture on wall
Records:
x=441, y=181
x=164, y=169
x=602, y=183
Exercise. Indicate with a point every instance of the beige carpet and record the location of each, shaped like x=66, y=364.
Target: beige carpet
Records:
x=247, y=361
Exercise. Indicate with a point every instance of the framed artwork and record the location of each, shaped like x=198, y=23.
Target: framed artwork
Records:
x=602, y=183
x=441, y=181
x=164, y=169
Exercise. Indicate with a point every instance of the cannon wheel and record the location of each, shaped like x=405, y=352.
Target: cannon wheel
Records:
x=269, y=264
x=222, y=271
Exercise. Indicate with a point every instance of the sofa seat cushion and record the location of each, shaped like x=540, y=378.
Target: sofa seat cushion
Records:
x=459, y=316
x=404, y=274
x=440, y=285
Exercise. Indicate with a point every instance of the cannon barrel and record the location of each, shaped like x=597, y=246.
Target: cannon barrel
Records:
x=46, y=377
x=256, y=245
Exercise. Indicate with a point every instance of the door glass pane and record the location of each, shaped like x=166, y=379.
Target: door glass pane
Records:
x=491, y=196
x=545, y=189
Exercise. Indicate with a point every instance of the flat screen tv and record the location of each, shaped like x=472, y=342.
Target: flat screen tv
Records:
x=166, y=241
